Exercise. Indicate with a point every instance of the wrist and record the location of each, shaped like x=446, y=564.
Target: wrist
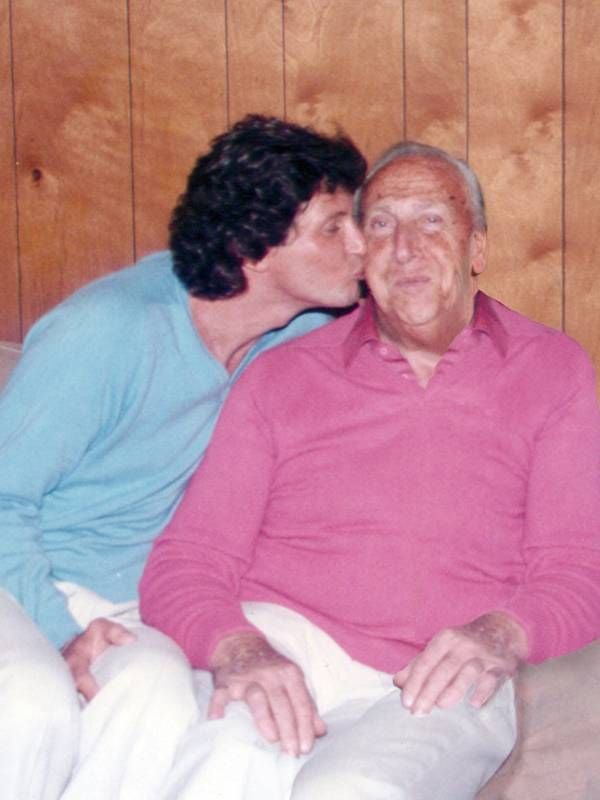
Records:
x=238, y=649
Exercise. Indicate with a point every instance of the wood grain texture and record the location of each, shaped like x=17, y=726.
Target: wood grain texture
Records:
x=582, y=176
x=515, y=126
x=10, y=316
x=178, y=102
x=71, y=87
x=255, y=58
x=343, y=66
x=115, y=99
x=436, y=76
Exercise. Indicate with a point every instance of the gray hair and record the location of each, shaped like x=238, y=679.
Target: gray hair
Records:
x=408, y=149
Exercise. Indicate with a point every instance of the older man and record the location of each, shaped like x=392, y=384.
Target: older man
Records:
x=104, y=421
x=412, y=495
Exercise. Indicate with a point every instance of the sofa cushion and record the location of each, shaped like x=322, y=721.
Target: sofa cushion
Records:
x=557, y=755
x=9, y=355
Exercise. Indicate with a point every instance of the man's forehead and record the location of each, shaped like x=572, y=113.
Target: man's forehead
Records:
x=427, y=180
x=326, y=203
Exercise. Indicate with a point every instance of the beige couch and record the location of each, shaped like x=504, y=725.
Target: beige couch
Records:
x=557, y=756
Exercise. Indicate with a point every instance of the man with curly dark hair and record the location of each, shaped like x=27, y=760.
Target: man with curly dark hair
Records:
x=104, y=420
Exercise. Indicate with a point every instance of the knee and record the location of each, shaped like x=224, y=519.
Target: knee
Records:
x=321, y=780
x=149, y=673
x=146, y=662
x=325, y=782
x=39, y=695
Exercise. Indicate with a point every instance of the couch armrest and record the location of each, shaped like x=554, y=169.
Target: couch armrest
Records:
x=556, y=755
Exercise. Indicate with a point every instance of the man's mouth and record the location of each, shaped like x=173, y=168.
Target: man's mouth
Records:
x=409, y=282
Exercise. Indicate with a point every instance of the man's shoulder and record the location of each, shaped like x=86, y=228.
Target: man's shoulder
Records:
x=299, y=360
x=539, y=347
x=107, y=316
x=325, y=339
x=519, y=326
x=149, y=280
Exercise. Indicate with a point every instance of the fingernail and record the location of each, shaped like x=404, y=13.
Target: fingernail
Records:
x=408, y=700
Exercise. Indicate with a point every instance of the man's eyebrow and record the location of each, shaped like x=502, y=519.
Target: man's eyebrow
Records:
x=386, y=205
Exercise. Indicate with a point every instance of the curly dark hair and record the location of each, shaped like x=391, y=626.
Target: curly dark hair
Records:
x=242, y=196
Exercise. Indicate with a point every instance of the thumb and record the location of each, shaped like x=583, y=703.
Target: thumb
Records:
x=118, y=634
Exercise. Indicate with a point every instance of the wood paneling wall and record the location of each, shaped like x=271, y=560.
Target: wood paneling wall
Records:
x=105, y=104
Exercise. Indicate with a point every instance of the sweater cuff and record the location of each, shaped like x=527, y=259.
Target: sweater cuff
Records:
x=202, y=638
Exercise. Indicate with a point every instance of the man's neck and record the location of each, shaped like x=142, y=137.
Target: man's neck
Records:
x=230, y=327
x=423, y=346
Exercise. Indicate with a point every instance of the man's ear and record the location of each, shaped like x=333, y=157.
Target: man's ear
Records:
x=478, y=252
x=257, y=267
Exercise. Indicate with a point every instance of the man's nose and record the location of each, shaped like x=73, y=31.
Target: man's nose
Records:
x=405, y=242
x=355, y=241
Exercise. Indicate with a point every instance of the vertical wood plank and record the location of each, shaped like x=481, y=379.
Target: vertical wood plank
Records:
x=178, y=102
x=10, y=318
x=435, y=57
x=73, y=148
x=255, y=57
x=343, y=66
x=582, y=176
x=515, y=135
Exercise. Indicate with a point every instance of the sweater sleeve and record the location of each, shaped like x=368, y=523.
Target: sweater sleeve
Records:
x=50, y=411
x=558, y=601
x=190, y=587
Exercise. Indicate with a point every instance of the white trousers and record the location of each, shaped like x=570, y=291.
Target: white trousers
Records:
x=119, y=746
x=374, y=749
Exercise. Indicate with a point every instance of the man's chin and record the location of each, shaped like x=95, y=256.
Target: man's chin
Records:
x=345, y=299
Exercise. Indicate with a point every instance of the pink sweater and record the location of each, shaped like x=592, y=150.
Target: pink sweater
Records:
x=337, y=486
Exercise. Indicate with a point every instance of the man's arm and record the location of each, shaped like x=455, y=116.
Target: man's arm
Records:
x=189, y=589
x=49, y=413
x=556, y=606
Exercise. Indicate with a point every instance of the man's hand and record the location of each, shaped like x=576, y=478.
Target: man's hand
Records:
x=246, y=667
x=481, y=654
x=81, y=651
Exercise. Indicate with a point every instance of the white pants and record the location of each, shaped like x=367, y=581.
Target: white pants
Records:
x=374, y=749
x=119, y=746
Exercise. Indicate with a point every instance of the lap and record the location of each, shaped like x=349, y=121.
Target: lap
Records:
x=26, y=654
x=369, y=732
x=387, y=753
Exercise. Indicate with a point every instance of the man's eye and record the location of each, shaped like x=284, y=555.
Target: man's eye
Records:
x=332, y=228
x=378, y=223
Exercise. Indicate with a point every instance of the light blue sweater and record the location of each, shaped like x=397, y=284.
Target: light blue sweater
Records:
x=103, y=421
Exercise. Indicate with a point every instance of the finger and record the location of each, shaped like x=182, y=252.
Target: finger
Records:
x=260, y=706
x=217, y=704
x=319, y=725
x=86, y=685
x=305, y=720
x=485, y=688
x=413, y=678
x=438, y=680
x=416, y=675
x=82, y=677
x=308, y=722
x=286, y=720
x=466, y=678
x=119, y=634
x=401, y=676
